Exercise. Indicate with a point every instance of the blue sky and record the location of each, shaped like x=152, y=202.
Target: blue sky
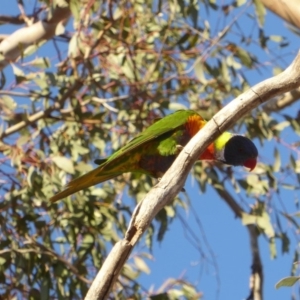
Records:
x=228, y=239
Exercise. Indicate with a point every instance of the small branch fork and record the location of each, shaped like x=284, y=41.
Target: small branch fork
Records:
x=173, y=180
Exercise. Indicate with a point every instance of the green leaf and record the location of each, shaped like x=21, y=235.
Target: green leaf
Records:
x=30, y=176
x=277, y=162
x=260, y=11
x=200, y=72
x=60, y=29
x=128, y=69
x=141, y=265
x=244, y=57
x=297, y=168
x=288, y=186
x=83, y=167
x=231, y=62
x=2, y=260
x=282, y=125
x=225, y=73
x=240, y=2
x=263, y=222
x=287, y=281
x=19, y=74
x=277, y=70
x=118, y=12
x=272, y=247
x=64, y=3
x=276, y=38
x=32, y=48
x=64, y=163
x=40, y=62
x=87, y=241
x=9, y=102
x=189, y=291
x=129, y=272
x=73, y=46
x=75, y=8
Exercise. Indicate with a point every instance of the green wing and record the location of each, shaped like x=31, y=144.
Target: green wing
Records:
x=157, y=129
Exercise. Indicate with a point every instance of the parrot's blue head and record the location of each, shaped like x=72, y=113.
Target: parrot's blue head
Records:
x=239, y=151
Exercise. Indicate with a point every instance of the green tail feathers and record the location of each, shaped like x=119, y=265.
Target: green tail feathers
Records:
x=91, y=178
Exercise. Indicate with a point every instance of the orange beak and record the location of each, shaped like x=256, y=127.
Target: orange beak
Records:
x=250, y=163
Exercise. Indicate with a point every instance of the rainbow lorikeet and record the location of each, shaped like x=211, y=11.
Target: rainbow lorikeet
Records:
x=154, y=150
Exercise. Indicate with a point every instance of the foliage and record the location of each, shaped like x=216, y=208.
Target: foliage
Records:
x=287, y=281
x=116, y=67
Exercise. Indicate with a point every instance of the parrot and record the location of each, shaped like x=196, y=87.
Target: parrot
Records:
x=155, y=149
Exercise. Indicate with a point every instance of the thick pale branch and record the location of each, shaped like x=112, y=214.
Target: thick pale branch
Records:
x=289, y=10
x=110, y=271
x=12, y=47
x=173, y=181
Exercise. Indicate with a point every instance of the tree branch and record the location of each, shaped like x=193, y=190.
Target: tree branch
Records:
x=172, y=182
x=16, y=20
x=256, y=278
x=287, y=10
x=12, y=47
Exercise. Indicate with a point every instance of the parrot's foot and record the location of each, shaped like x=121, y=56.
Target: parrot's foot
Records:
x=178, y=149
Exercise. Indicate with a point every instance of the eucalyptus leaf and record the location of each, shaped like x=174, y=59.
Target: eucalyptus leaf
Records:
x=64, y=163
x=287, y=281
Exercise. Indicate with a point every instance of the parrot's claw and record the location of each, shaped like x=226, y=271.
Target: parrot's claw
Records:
x=178, y=149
